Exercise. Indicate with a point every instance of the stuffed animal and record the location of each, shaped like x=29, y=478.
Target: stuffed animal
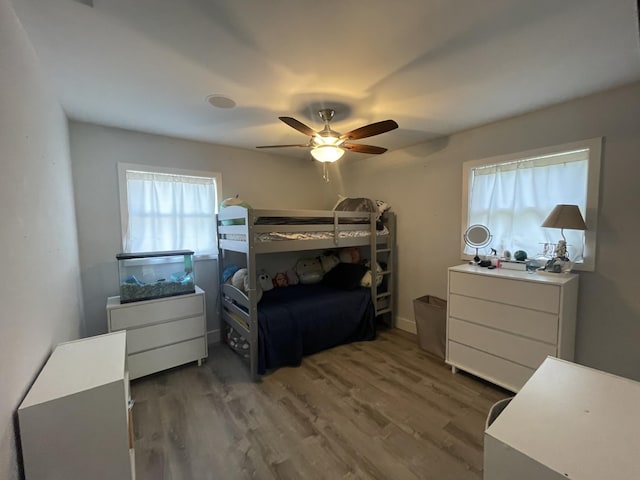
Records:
x=265, y=281
x=328, y=261
x=292, y=277
x=280, y=280
x=309, y=270
x=366, y=278
x=349, y=255
x=240, y=280
x=284, y=279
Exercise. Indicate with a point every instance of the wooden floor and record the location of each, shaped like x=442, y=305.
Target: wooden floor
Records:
x=371, y=410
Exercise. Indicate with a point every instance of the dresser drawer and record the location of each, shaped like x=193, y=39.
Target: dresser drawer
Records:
x=151, y=361
x=520, y=350
x=526, y=294
x=145, y=338
x=497, y=370
x=534, y=324
x=156, y=311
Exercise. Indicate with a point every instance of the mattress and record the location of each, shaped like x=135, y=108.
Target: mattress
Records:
x=304, y=235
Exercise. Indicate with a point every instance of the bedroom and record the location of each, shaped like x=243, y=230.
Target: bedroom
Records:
x=73, y=241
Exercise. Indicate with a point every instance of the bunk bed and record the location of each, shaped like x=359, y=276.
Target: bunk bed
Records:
x=271, y=326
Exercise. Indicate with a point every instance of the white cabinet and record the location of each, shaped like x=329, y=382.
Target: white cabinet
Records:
x=502, y=324
x=161, y=333
x=568, y=421
x=75, y=420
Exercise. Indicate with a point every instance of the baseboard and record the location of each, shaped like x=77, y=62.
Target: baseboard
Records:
x=406, y=325
x=213, y=337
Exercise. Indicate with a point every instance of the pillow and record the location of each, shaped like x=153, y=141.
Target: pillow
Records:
x=345, y=276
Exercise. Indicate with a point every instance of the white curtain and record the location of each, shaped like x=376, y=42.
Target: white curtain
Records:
x=170, y=212
x=513, y=199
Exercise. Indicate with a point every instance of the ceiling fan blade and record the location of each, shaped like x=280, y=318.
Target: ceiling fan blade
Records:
x=370, y=130
x=356, y=147
x=301, y=127
x=282, y=146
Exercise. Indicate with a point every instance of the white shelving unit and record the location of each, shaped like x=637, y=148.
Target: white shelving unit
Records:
x=161, y=333
x=567, y=422
x=75, y=421
x=502, y=324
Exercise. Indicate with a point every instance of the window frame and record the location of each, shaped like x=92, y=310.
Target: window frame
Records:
x=124, y=199
x=594, y=145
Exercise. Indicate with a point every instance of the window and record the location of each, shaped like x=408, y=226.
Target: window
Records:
x=513, y=194
x=168, y=209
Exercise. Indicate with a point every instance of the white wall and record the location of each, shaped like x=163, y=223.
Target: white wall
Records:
x=423, y=184
x=40, y=296
x=263, y=180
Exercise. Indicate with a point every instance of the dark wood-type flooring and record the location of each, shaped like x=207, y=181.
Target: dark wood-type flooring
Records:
x=372, y=410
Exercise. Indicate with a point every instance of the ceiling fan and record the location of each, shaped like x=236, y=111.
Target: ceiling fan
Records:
x=327, y=145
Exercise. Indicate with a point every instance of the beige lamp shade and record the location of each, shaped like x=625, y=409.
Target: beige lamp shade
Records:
x=565, y=216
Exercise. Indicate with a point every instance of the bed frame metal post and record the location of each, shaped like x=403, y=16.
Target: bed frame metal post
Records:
x=374, y=261
x=253, y=295
x=219, y=262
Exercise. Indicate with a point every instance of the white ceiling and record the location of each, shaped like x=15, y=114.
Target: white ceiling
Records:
x=434, y=66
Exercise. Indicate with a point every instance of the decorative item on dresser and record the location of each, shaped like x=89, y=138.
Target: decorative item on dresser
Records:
x=502, y=324
x=477, y=236
x=563, y=216
x=75, y=421
x=161, y=333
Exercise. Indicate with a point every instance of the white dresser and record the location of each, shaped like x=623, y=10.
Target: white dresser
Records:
x=502, y=324
x=161, y=333
x=75, y=421
x=567, y=422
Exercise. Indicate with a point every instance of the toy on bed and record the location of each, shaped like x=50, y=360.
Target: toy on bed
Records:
x=349, y=255
x=240, y=279
x=328, y=260
x=284, y=279
x=366, y=278
x=309, y=270
x=361, y=204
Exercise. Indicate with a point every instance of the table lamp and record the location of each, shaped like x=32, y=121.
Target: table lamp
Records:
x=564, y=216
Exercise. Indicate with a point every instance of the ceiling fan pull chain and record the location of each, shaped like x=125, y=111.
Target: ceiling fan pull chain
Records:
x=325, y=172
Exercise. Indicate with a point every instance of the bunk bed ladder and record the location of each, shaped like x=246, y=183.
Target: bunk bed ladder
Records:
x=383, y=251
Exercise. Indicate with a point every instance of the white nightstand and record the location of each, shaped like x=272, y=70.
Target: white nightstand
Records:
x=75, y=421
x=161, y=333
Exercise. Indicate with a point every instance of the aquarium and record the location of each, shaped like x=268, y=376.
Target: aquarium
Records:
x=149, y=275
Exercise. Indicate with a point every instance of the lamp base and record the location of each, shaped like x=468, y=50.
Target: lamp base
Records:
x=561, y=249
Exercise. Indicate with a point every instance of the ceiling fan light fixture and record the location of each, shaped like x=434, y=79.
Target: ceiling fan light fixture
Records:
x=319, y=140
x=327, y=153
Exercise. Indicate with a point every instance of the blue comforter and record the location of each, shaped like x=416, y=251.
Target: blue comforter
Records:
x=305, y=319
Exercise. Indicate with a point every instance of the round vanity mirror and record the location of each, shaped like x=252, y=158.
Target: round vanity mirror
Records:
x=477, y=236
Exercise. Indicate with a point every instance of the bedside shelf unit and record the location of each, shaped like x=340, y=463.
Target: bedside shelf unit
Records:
x=75, y=422
x=502, y=324
x=161, y=333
